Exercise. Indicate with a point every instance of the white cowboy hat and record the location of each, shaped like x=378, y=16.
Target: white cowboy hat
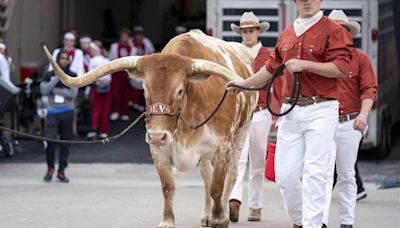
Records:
x=250, y=20
x=341, y=17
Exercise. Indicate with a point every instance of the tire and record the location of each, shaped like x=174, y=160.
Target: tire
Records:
x=384, y=147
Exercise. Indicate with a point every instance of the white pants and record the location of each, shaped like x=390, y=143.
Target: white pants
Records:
x=347, y=142
x=254, y=148
x=304, y=146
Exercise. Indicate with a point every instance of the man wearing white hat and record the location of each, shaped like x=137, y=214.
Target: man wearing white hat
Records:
x=76, y=63
x=356, y=96
x=255, y=146
x=321, y=51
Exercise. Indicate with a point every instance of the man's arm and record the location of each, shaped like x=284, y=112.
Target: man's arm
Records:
x=46, y=86
x=256, y=79
x=328, y=70
x=361, y=121
x=66, y=92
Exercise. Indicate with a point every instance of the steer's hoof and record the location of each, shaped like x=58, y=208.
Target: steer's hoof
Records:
x=166, y=224
x=205, y=221
x=223, y=225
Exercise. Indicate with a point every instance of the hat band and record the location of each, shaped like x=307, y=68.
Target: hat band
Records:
x=244, y=23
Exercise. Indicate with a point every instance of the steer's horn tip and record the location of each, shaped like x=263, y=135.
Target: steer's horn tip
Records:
x=47, y=51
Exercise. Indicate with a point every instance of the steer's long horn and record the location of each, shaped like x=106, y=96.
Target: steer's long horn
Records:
x=91, y=76
x=208, y=67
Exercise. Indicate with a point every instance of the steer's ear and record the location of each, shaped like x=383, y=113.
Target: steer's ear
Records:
x=199, y=77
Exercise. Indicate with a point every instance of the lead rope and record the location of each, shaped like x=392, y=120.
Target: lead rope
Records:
x=103, y=141
x=296, y=90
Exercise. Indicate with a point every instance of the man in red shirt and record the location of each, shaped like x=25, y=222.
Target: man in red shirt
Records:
x=255, y=146
x=120, y=89
x=356, y=96
x=321, y=51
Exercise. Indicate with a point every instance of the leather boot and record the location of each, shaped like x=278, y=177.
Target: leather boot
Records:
x=234, y=206
x=254, y=215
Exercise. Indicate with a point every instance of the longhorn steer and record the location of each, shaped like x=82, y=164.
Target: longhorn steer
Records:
x=182, y=85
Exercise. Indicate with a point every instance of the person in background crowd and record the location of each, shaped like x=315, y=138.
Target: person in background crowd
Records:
x=59, y=101
x=74, y=31
x=101, y=96
x=5, y=67
x=357, y=93
x=76, y=63
x=255, y=146
x=144, y=46
x=321, y=51
x=120, y=89
x=85, y=43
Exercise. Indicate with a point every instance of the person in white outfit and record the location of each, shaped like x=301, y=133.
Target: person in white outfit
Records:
x=76, y=55
x=101, y=94
x=5, y=65
x=321, y=51
x=255, y=146
x=357, y=93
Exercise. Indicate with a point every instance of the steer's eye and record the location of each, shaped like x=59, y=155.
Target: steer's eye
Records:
x=180, y=92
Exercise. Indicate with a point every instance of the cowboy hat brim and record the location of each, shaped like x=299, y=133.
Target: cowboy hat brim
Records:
x=352, y=26
x=263, y=26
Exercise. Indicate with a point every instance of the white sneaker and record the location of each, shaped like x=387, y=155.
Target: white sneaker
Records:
x=125, y=118
x=91, y=135
x=114, y=116
x=103, y=135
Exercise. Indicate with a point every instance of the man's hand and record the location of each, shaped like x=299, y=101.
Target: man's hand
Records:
x=296, y=65
x=360, y=122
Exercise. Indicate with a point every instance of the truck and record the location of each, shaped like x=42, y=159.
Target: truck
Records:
x=379, y=38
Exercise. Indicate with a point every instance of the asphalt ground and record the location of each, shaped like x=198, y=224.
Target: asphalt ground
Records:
x=129, y=195
x=115, y=185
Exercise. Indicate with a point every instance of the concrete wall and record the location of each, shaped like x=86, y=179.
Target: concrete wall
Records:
x=38, y=22
x=33, y=23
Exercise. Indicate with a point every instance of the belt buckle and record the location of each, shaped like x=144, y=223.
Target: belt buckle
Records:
x=314, y=100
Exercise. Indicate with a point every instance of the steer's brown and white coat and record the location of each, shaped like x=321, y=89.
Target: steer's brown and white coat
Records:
x=178, y=77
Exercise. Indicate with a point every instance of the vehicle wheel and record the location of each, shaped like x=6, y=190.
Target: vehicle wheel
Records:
x=384, y=147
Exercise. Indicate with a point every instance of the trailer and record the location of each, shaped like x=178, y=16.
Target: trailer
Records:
x=380, y=28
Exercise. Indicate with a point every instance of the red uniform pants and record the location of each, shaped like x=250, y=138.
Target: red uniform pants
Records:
x=120, y=90
x=100, y=110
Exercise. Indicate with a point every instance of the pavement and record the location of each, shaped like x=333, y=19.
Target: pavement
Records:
x=128, y=195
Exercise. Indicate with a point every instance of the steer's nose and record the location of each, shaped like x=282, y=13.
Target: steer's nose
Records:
x=157, y=138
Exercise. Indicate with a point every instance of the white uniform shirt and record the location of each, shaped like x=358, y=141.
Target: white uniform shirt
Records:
x=5, y=72
x=114, y=51
x=98, y=61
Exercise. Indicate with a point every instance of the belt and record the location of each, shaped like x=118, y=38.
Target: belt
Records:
x=347, y=117
x=304, y=101
x=259, y=108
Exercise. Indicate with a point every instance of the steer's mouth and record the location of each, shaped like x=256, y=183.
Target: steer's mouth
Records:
x=158, y=137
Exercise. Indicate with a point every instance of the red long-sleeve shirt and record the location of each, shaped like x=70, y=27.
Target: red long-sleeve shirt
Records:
x=323, y=42
x=359, y=84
